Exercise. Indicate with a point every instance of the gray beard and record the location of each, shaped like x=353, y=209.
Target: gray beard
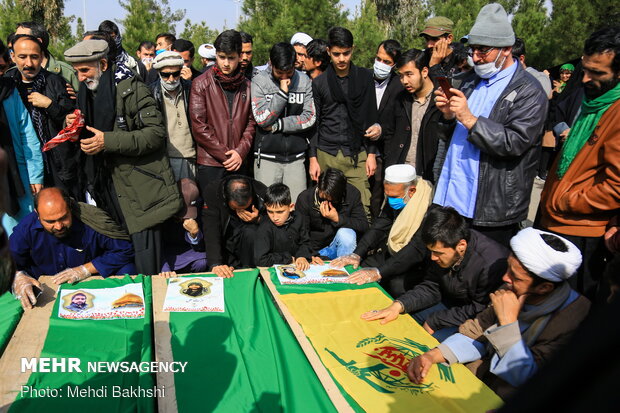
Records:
x=92, y=85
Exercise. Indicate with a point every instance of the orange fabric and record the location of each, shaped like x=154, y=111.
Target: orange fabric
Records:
x=588, y=196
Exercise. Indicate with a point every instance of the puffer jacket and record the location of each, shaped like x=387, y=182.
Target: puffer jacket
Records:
x=136, y=153
x=509, y=141
x=216, y=130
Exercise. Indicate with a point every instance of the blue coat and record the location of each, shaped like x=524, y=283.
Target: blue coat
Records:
x=38, y=252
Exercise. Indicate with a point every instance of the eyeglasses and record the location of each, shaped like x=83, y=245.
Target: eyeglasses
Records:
x=166, y=75
x=480, y=51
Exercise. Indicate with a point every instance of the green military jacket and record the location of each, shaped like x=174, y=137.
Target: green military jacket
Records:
x=136, y=153
x=63, y=69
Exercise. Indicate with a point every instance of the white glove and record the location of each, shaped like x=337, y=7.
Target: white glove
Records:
x=71, y=275
x=23, y=289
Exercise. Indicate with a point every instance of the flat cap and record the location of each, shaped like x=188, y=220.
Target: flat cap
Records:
x=87, y=51
x=167, y=58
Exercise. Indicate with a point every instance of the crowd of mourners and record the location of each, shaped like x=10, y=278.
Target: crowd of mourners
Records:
x=418, y=172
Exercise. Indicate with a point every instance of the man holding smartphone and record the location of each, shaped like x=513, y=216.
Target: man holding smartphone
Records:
x=496, y=120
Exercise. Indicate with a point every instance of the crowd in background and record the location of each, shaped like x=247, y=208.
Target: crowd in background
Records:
x=419, y=170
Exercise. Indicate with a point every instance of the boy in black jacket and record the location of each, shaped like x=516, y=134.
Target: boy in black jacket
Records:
x=283, y=238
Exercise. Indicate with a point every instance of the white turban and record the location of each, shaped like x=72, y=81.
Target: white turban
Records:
x=541, y=259
x=207, y=51
x=301, y=38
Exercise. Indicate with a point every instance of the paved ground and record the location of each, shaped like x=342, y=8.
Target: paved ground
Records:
x=536, y=190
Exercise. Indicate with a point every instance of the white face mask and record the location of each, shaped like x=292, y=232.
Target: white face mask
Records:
x=382, y=71
x=170, y=86
x=470, y=61
x=488, y=70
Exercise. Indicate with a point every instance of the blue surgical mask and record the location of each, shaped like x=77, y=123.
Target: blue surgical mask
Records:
x=396, y=203
x=381, y=70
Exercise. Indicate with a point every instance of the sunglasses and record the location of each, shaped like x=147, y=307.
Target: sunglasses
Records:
x=166, y=75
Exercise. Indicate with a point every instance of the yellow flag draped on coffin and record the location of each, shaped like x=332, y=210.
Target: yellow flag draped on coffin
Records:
x=370, y=360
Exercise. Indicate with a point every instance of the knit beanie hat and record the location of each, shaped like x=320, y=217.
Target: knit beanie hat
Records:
x=492, y=27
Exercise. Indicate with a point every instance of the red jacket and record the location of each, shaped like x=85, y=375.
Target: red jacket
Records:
x=215, y=129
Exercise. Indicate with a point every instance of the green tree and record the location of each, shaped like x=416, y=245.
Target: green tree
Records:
x=198, y=33
x=404, y=20
x=367, y=33
x=571, y=24
x=464, y=14
x=63, y=38
x=529, y=23
x=144, y=19
x=607, y=13
x=273, y=21
x=49, y=13
x=10, y=15
x=79, y=29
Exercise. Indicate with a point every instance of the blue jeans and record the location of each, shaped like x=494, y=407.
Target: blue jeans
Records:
x=422, y=315
x=344, y=243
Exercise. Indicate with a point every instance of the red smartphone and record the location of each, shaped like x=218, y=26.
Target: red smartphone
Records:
x=445, y=85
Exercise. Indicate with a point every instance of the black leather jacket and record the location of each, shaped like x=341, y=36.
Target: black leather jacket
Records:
x=509, y=141
x=61, y=162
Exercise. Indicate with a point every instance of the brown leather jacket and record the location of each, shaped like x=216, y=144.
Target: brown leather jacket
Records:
x=215, y=130
x=588, y=195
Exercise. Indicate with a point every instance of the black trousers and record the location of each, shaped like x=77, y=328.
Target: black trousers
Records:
x=205, y=175
x=239, y=245
x=595, y=257
x=500, y=234
x=376, y=189
x=148, y=250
